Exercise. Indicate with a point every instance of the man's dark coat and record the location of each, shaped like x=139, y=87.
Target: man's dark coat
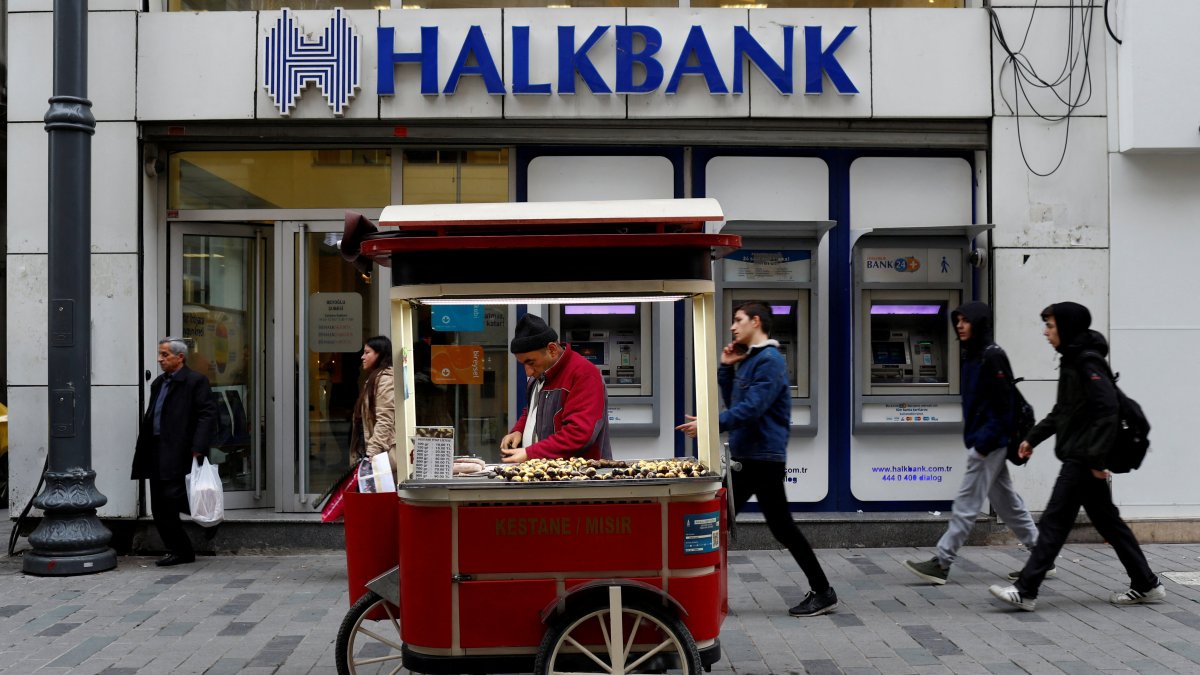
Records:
x=186, y=425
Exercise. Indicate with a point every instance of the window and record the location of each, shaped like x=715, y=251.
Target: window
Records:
x=455, y=176
x=280, y=179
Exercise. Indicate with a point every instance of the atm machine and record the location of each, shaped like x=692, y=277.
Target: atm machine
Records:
x=906, y=351
x=777, y=265
x=617, y=338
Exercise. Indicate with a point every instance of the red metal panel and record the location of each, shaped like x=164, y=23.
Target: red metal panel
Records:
x=559, y=538
x=372, y=538
x=425, y=575
x=702, y=598
x=503, y=613
x=677, y=516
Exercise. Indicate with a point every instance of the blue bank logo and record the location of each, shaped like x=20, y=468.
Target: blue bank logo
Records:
x=332, y=62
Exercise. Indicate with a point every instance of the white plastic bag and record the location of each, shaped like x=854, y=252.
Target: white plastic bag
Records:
x=375, y=474
x=205, y=497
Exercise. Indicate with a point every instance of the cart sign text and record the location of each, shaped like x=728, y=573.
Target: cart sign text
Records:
x=640, y=65
x=552, y=526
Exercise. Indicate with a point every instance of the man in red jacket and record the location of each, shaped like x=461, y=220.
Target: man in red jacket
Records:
x=567, y=410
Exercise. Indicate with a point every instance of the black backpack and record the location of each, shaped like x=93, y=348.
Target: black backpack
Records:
x=1023, y=417
x=1133, y=429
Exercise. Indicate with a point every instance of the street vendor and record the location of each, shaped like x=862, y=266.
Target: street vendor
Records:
x=566, y=414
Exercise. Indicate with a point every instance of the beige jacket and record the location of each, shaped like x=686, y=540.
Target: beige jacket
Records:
x=379, y=425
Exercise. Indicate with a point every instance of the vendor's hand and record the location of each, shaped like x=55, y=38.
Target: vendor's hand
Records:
x=513, y=455
x=689, y=427
x=510, y=441
x=1025, y=451
x=1102, y=474
x=733, y=353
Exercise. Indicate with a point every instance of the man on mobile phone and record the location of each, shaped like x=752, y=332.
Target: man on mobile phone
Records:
x=753, y=377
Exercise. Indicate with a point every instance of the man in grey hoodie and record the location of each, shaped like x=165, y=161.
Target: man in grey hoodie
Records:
x=987, y=401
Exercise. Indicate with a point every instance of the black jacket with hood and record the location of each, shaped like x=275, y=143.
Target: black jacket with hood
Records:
x=986, y=383
x=1084, y=418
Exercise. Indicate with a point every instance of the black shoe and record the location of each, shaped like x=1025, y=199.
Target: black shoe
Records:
x=170, y=560
x=816, y=604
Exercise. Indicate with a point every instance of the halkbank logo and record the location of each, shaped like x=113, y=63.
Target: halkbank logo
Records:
x=292, y=62
x=804, y=58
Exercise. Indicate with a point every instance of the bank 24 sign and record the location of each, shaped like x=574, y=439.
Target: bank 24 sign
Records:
x=332, y=61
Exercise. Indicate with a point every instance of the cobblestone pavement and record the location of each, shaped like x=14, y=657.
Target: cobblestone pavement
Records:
x=280, y=614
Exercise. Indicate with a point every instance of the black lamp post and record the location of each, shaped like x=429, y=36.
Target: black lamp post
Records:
x=70, y=539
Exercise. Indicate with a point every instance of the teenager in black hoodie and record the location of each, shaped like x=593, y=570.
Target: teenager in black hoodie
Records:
x=1084, y=424
x=987, y=401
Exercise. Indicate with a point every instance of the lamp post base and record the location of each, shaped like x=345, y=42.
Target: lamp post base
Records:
x=66, y=566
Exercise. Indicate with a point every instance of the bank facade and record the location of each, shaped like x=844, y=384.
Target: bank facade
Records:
x=882, y=165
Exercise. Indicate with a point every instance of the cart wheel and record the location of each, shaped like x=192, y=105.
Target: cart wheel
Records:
x=368, y=646
x=611, y=637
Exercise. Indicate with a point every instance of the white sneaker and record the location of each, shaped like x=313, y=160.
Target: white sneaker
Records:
x=1132, y=597
x=1012, y=596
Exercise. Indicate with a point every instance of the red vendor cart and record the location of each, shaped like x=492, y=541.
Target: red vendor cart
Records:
x=616, y=571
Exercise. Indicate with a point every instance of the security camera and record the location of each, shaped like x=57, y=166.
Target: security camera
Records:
x=977, y=257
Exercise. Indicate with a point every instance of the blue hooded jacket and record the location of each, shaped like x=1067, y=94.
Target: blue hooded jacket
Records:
x=758, y=405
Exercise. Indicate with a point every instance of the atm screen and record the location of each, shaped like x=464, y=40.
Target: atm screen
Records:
x=592, y=351
x=888, y=353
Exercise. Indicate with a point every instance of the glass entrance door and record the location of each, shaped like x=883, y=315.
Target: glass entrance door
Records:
x=219, y=301
x=327, y=311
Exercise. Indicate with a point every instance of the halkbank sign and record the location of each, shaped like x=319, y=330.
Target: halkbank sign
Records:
x=582, y=59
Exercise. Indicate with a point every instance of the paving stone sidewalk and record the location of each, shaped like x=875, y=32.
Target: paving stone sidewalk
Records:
x=280, y=614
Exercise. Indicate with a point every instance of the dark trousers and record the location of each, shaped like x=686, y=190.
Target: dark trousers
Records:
x=168, y=498
x=1076, y=487
x=765, y=480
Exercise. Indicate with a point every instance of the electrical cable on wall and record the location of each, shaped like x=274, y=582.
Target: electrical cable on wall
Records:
x=1025, y=76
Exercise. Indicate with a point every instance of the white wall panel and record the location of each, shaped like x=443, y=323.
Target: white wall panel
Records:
x=930, y=63
x=312, y=103
x=471, y=98
x=28, y=193
x=769, y=188
x=786, y=188
x=116, y=171
x=111, y=48
x=1155, y=236
x=1155, y=372
x=115, y=420
x=115, y=358
x=543, y=63
x=693, y=98
x=870, y=454
x=1157, y=106
x=555, y=178
x=182, y=75
x=1066, y=208
x=1027, y=280
x=28, y=414
x=115, y=167
x=27, y=292
x=854, y=55
x=1045, y=50
x=910, y=192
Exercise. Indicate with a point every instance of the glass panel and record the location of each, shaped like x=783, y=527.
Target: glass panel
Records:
x=449, y=396
x=455, y=176
x=219, y=316
x=484, y=176
x=271, y=179
x=341, y=316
